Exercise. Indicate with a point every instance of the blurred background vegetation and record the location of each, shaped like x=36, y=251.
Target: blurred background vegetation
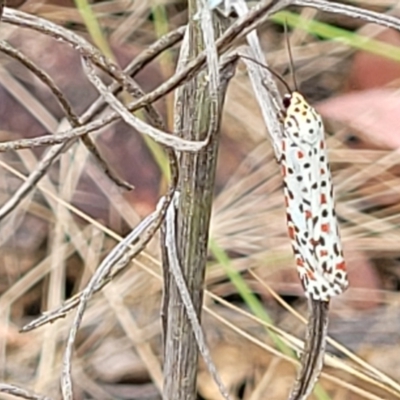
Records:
x=347, y=69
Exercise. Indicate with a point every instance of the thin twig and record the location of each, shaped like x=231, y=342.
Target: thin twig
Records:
x=103, y=273
x=63, y=137
x=71, y=303
x=71, y=116
x=86, y=50
x=118, y=258
x=312, y=358
x=21, y=393
x=135, y=66
x=380, y=379
x=54, y=153
x=179, y=78
x=67, y=108
x=44, y=77
x=240, y=28
x=351, y=11
x=166, y=139
x=154, y=50
x=20, y=18
x=176, y=272
x=139, y=238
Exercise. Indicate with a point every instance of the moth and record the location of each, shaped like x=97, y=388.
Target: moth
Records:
x=309, y=200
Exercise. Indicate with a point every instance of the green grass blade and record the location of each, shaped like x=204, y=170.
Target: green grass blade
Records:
x=349, y=38
x=248, y=296
x=93, y=27
x=256, y=307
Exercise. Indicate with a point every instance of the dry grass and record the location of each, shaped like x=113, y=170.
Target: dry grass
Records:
x=49, y=251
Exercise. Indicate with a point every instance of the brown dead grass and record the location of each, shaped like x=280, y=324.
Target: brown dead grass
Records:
x=48, y=252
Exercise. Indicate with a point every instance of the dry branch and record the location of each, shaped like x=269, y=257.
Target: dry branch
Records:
x=198, y=112
x=21, y=393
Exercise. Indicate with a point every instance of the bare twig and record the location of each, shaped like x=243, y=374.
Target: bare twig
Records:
x=61, y=138
x=44, y=77
x=176, y=272
x=136, y=65
x=312, y=358
x=53, y=154
x=258, y=77
x=138, y=239
x=143, y=236
x=198, y=109
x=161, y=137
x=121, y=263
x=118, y=258
x=67, y=108
x=21, y=393
x=155, y=49
x=71, y=116
x=179, y=78
x=351, y=11
x=20, y=18
x=77, y=42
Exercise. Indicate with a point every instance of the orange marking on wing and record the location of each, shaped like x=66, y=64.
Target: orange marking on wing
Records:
x=283, y=145
x=322, y=171
x=299, y=262
x=321, y=144
x=341, y=266
x=323, y=253
x=308, y=214
x=325, y=228
x=323, y=199
x=313, y=242
x=300, y=154
x=291, y=232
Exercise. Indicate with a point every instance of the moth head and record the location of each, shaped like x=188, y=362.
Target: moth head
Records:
x=301, y=122
x=287, y=98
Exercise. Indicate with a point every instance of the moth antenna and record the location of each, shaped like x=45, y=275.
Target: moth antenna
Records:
x=291, y=63
x=275, y=74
